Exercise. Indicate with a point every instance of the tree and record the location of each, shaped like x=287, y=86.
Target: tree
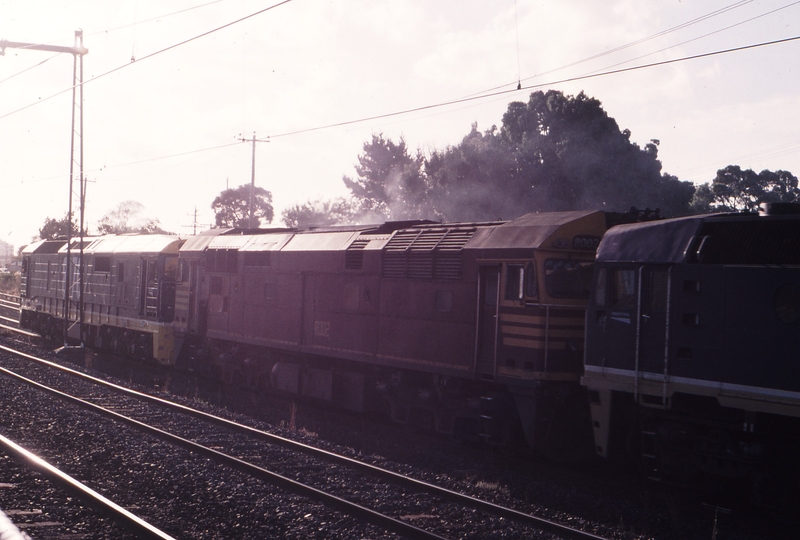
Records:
x=54, y=228
x=390, y=184
x=232, y=207
x=734, y=189
x=127, y=218
x=555, y=152
x=319, y=213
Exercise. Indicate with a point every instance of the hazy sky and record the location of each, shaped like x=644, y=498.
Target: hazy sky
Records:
x=163, y=130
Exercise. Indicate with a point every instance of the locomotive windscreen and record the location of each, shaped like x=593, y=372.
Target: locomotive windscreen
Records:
x=750, y=241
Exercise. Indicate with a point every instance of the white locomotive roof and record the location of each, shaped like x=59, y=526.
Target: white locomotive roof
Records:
x=43, y=246
x=136, y=243
x=228, y=242
x=267, y=242
x=326, y=241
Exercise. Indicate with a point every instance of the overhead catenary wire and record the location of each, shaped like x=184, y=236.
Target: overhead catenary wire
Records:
x=701, y=37
x=108, y=30
x=534, y=86
x=624, y=46
x=28, y=69
x=127, y=164
x=466, y=100
x=474, y=98
x=139, y=60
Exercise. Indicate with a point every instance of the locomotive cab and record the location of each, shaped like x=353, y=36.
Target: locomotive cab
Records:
x=691, y=344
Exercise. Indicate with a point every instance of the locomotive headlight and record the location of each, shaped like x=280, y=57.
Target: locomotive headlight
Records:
x=787, y=303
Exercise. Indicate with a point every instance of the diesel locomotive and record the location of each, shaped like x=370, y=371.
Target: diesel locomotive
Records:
x=693, y=345
x=674, y=342
x=471, y=328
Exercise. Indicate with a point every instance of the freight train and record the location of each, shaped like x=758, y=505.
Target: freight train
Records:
x=671, y=340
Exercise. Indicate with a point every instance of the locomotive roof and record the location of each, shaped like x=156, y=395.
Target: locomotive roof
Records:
x=135, y=243
x=709, y=238
x=545, y=230
x=43, y=246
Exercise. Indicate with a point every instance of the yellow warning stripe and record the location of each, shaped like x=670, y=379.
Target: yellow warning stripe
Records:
x=541, y=332
x=542, y=320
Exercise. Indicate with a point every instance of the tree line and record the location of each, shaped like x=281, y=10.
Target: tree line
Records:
x=556, y=152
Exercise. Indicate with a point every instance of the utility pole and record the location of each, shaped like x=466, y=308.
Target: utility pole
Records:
x=77, y=51
x=252, y=175
x=195, y=224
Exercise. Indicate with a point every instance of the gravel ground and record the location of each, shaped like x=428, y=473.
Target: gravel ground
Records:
x=192, y=497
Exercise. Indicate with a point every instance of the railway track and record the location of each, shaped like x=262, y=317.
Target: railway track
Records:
x=388, y=500
x=9, y=310
x=132, y=523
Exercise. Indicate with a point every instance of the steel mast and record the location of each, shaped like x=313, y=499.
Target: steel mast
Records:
x=77, y=51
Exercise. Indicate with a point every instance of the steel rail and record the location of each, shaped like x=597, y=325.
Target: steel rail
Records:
x=19, y=331
x=447, y=494
x=130, y=521
x=374, y=517
x=9, y=319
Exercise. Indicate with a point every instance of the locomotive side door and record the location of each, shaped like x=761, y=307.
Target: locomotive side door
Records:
x=654, y=289
x=486, y=346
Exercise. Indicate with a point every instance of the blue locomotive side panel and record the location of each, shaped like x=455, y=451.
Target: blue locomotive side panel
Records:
x=762, y=322
x=692, y=330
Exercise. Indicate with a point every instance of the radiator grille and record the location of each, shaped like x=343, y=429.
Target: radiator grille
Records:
x=426, y=253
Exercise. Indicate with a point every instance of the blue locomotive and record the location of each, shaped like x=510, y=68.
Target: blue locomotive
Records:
x=693, y=345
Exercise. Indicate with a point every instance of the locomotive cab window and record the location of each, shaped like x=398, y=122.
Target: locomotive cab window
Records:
x=183, y=271
x=102, y=264
x=615, y=287
x=520, y=281
x=568, y=278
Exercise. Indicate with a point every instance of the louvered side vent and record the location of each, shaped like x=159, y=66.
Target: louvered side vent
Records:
x=394, y=265
x=222, y=260
x=426, y=253
x=354, y=256
x=262, y=259
x=447, y=267
x=420, y=265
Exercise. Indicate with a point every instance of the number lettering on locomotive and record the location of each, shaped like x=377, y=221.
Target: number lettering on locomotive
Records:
x=322, y=328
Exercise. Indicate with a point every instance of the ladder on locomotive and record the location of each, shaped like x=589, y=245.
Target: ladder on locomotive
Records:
x=151, y=301
x=149, y=288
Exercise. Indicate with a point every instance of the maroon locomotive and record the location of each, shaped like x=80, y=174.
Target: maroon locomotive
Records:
x=474, y=328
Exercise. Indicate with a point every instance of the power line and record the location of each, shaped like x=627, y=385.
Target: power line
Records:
x=533, y=86
x=28, y=69
x=184, y=42
x=465, y=100
x=157, y=17
x=106, y=31
x=126, y=164
x=681, y=26
x=704, y=35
